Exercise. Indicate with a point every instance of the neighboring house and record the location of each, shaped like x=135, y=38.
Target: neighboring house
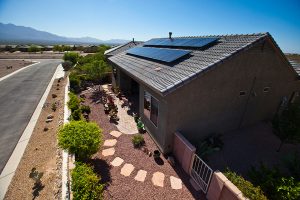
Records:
x=121, y=48
x=205, y=85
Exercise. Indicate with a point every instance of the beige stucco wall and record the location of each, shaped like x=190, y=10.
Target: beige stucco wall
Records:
x=211, y=103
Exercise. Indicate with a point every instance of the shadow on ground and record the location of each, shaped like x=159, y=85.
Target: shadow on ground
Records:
x=102, y=169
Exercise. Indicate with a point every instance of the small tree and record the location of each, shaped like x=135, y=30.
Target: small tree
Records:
x=71, y=56
x=80, y=138
x=287, y=124
x=85, y=183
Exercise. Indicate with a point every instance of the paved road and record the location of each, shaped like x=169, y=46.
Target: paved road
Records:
x=19, y=96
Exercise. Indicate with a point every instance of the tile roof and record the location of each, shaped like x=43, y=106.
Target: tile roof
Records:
x=164, y=77
x=295, y=64
x=121, y=48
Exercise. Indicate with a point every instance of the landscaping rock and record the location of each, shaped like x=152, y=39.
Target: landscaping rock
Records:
x=97, y=102
x=171, y=160
x=49, y=120
x=50, y=116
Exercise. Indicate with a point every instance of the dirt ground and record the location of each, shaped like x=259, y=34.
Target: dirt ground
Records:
x=121, y=187
x=9, y=66
x=24, y=55
x=250, y=146
x=42, y=153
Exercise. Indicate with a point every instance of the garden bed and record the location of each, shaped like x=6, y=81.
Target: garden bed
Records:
x=122, y=187
x=42, y=153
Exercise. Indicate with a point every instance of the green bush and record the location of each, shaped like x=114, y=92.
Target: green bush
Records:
x=80, y=138
x=246, y=187
x=67, y=65
x=71, y=56
x=74, y=102
x=137, y=140
x=274, y=184
x=85, y=183
x=34, y=48
x=76, y=115
x=85, y=109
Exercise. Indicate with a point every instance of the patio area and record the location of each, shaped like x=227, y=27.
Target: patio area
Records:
x=250, y=146
x=128, y=172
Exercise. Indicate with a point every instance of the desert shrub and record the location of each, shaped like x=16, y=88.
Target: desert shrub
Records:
x=274, y=184
x=75, y=82
x=85, y=183
x=33, y=48
x=67, y=65
x=71, y=56
x=80, y=138
x=54, y=95
x=137, y=140
x=85, y=109
x=53, y=106
x=76, y=115
x=74, y=102
x=246, y=187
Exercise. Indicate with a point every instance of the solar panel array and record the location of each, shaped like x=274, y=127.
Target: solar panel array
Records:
x=161, y=54
x=181, y=42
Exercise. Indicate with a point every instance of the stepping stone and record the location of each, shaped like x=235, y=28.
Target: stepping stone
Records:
x=110, y=143
x=176, y=183
x=141, y=175
x=158, y=179
x=117, y=162
x=127, y=169
x=116, y=134
x=108, y=152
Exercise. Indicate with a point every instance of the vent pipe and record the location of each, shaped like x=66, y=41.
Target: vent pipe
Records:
x=132, y=39
x=170, y=35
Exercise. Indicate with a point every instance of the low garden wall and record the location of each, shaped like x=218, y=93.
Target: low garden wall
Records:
x=221, y=188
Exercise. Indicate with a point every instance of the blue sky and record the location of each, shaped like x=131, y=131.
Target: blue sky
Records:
x=144, y=19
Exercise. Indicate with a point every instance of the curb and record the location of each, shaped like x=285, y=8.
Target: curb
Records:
x=12, y=164
x=8, y=75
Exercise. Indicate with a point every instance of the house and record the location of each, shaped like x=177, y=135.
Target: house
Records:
x=205, y=85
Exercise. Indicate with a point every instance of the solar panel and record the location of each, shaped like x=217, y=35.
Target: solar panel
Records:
x=165, y=55
x=181, y=42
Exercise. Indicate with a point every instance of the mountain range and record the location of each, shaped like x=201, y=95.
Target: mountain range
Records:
x=12, y=34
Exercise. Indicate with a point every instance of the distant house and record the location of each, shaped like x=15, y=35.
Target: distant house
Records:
x=204, y=85
x=121, y=48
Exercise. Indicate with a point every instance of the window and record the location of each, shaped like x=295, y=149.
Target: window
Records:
x=266, y=89
x=151, y=108
x=242, y=93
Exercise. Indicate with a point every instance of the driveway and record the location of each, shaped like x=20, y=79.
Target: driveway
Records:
x=19, y=96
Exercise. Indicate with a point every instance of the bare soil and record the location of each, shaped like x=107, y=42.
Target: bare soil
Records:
x=121, y=187
x=42, y=153
x=9, y=66
x=38, y=55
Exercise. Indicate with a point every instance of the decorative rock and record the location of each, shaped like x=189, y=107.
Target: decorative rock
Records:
x=127, y=169
x=110, y=143
x=98, y=101
x=176, y=183
x=50, y=116
x=141, y=175
x=158, y=179
x=49, y=120
x=108, y=152
x=116, y=134
x=117, y=162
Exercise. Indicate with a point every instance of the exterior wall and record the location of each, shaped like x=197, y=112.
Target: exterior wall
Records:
x=211, y=103
x=158, y=133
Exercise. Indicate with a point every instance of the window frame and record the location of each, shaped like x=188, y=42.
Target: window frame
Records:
x=149, y=118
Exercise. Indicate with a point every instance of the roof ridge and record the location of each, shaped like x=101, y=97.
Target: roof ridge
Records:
x=224, y=35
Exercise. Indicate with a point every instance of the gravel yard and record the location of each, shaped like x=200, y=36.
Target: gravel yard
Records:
x=127, y=187
x=9, y=66
x=42, y=153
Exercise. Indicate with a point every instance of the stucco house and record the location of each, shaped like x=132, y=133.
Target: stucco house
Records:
x=205, y=85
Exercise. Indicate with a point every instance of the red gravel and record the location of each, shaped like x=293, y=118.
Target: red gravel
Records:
x=121, y=187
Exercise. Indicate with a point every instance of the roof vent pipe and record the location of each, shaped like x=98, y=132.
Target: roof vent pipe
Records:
x=170, y=35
